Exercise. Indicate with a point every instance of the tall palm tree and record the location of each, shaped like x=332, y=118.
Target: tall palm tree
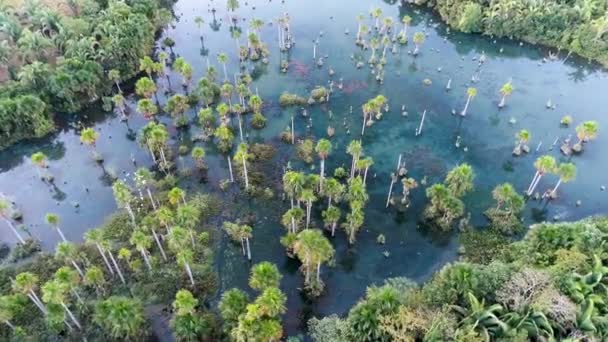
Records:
x=333, y=190
x=5, y=210
x=363, y=165
x=149, y=224
x=53, y=221
x=121, y=317
x=123, y=197
x=544, y=164
x=198, y=154
x=198, y=20
x=505, y=91
x=408, y=185
x=566, y=173
x=292, y=219
x=70, y=279
x=240, y=157
x=177, y=196
x=354, y=221
x=67, y=252
x=331, y=216
x=178, y=240
x=119, y=103
x=94, y=277
x=145, y=87
x=147, y=65
x=406, y=21
x=8, y=308
x=147, y=108
x=264, y=275
x=418, y=39
x=471, y=93
x=585, y=132
x=355, y=150
x=176, y=106
x=376, y=13
x=185, y=303
x=293, y=184
x=144, y=180
x=360, y=19
x=27, y=283
x=323, y=149
x=114, y=76
x=95, y=237
x=308, y=196
x=142, y=243
x=222, y=58
x=240, y=233
x=187, y=216
x=460, y=180
x=55, y=293
x=313, y=249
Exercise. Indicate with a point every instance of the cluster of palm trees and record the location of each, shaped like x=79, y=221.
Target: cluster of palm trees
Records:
x=256, y=320
x=445, y=204
x=373, y=108
x=548, y=165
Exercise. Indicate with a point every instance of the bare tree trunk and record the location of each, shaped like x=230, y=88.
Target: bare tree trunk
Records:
x=10, y=224
x=145, y=256
x=365, y=175
x=71, y=315
x=159, y=244
x=78, y=269
x=34, y=298
x=333, y=228
x=293, y=133
x=243, y=246
x=230, y=169
x=248, y=249
x=189, y=271
x=322, y=174
x=131, y=214
x=318, y=271
x=61, y=235
x=105, y=259
x=245, y=171
x=151, y=198
x=122, y=278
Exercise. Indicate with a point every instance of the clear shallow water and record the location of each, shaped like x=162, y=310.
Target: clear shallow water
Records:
x=575, y=87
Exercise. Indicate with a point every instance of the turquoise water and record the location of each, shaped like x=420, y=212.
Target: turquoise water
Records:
x=574, y=86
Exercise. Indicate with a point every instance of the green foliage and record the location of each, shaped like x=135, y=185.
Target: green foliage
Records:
x=23, y=117
x=120, y=317
x=286, y=99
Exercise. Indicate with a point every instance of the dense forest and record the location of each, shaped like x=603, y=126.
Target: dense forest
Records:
x=579, y=26
x=58, y=61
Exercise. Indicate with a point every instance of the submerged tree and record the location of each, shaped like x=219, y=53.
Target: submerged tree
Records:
x=323, y=149
x=505, y=91
x=566, y=173
x=471, y=93
x=418, y=40
x=240, y=233
x=313, y=249
x=331, y=216
x=544, y=164
x=585, y=132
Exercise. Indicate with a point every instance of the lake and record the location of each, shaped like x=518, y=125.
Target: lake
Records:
x=82, y=195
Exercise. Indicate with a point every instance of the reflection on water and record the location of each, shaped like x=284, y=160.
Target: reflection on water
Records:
x=82, y=196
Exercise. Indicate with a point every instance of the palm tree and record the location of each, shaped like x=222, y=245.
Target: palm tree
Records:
x=333, y=190
x=39, y=159
x=241, y=156
x=373, y=44
x=198, y=154
x=406, y=21
x=480, y=317
x=323, y=148
x=94, y=277
x=544, y=164
x=443, y=207
x=176, y=195
x=308, y=197
x=360, y=19
x=178, y=240
x=70, y=279
x=185, y=303
x=149, y=224
x=364, y=165
x=356, y=191
x=121, y=317
x=240, y=233
x=408, y=185
x=187, y=216
x=8, y=308
x=144, y=180
x=89, y=137
x=354, y=221
x=147, y=108
x=123, y=197
x=355, y=150
x=292, y=219
x=566, y=173
x=585, y=132
x=27, y=283
x=198, y=20
x=523, y=137
x=177, y=105
x=147, y=65
x=53, y=221
x=264, y=275
x=145, y=87
x=313, y=249
x=505, y=91
x=114, y=76
x=418, y=40
x=142, y=243
x=471, y=93
x=331, y=216
x=222, y=58
x=5, y=209
x=293, y=184
x=119, y=103
x=460, y=180
x=224, y=137
x=67, y=252
x=376, y=14
x=55, y=293
x=95, y=237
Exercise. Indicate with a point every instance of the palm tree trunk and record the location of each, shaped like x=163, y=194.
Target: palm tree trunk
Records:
x=145, y=256
x=308, y=210
x=159, y=244
x=131, y=214
x=189, y=271
x=502, y=101
x=466, y=106
x=559, y=182
x=10, y=224
x=293, y=133
x=152, y=154
x=240, y=127
x=191, y=237
x=248, y=249
x=225, y=73
x=365, y=175
x=61, y=234
x=318, y=271
x=243, y=246
x=359, y=32
x=230, y=169
x=322, y=174
x=122, y=278
x=105, y=259
x=245, y=171
x=151, y=198
x=390, y=192
x=77, y=295
x=540, y=175
x=78, y=269
x=10, y=325
x=329, y=202
x=72, y=317
x=34, y=298
x=532, y=183
x=333, y=228
x=363, y=127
